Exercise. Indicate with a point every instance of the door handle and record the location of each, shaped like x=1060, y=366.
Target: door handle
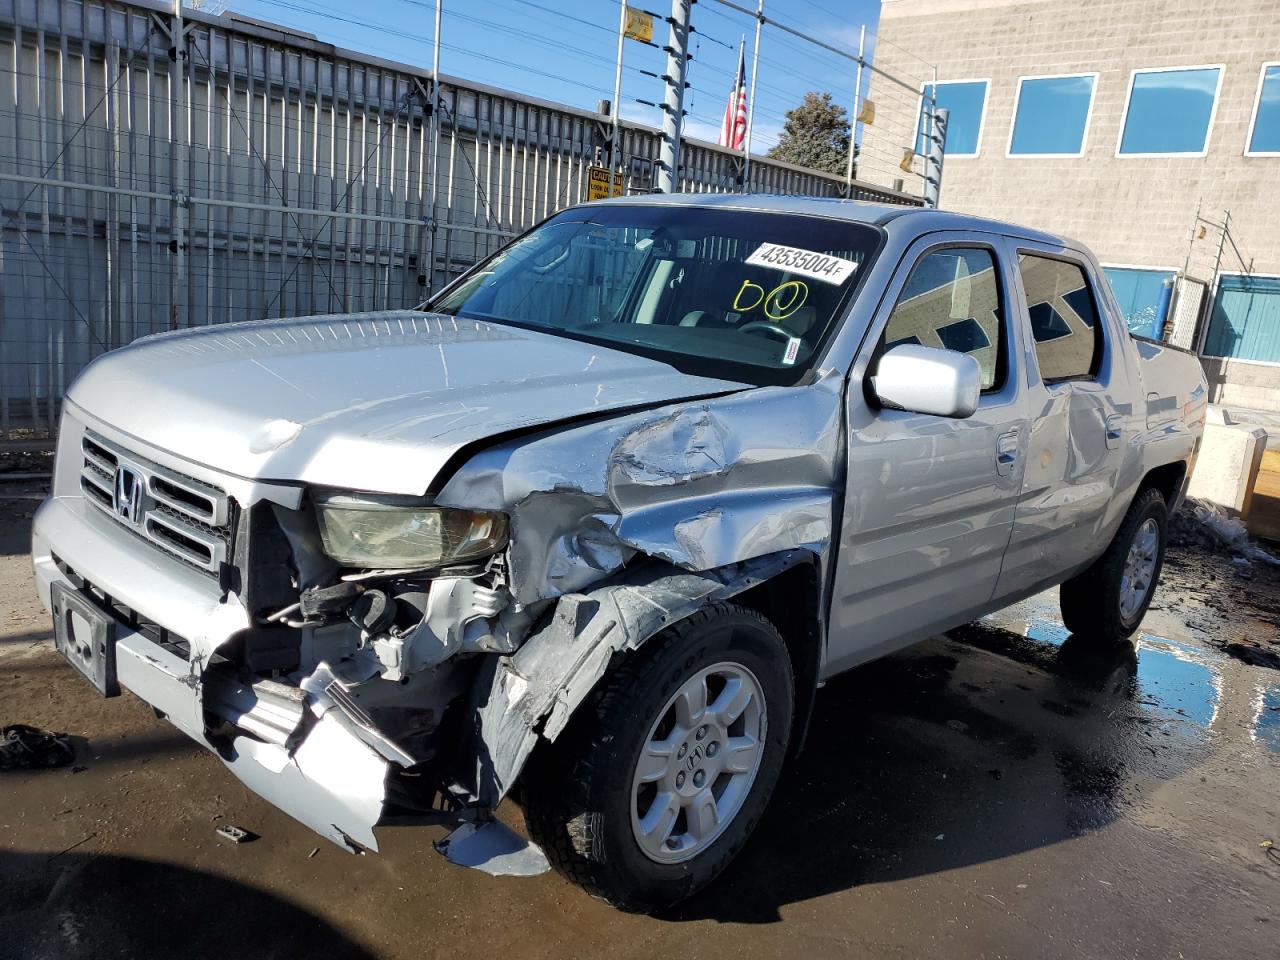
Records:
x=1114, y=423
x=1006, y=452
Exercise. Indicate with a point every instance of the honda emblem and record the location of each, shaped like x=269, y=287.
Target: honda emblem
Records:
x=127, y=501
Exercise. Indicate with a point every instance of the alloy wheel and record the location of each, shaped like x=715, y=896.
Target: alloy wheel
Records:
x=698, y=762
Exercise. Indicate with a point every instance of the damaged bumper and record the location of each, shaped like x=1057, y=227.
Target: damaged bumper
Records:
x=336, y=692
x=302, y=757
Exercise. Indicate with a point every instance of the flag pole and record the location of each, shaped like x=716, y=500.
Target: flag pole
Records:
x=738, y=92
x=615, y=108
x=751, y=101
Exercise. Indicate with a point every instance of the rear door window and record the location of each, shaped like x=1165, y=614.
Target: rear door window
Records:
x=1064, y=318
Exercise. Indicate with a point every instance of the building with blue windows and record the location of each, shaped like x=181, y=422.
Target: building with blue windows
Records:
x=1150, y=131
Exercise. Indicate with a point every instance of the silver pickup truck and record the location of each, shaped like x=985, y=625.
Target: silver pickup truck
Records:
x=599, y=519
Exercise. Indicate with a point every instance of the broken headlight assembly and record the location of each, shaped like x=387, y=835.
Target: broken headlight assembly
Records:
x=404, y=533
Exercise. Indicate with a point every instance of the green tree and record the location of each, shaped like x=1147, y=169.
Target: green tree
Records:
x=815, y=135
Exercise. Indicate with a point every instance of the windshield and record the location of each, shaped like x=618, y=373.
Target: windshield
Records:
x=726, y=293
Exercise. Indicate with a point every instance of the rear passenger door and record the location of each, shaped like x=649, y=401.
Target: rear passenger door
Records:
x=1074, y=451
x=929, y=501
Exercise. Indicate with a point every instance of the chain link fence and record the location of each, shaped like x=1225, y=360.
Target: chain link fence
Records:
x=159, y=171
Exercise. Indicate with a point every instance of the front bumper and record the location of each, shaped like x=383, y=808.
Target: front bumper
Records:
x=328, y=778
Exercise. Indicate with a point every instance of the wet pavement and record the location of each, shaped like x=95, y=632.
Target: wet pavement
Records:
x=1005, y=790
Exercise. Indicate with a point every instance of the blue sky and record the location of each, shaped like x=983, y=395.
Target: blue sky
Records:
x=564, y=50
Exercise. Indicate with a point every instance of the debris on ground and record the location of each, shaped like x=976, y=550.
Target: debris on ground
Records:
x=235, y=834
x=1201, y=523
x=495, y=849
x=1253, y=655
x=30, y=748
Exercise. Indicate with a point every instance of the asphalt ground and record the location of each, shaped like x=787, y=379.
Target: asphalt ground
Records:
x=1001, y=791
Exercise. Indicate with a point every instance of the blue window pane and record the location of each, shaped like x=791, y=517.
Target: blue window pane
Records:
x=1047, y=323
x=1081, y=302
x=964, y=123
x=1052, y=113
x=1169, y=111
x=1245, y=322
x=964, y=336
x=1140, y=294
x=1266, y=126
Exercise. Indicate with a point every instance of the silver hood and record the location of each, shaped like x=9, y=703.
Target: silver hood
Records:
x=373, y=401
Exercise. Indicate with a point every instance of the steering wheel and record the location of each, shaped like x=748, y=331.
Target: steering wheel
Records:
x=765, y=326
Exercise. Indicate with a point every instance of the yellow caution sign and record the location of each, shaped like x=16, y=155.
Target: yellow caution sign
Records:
x=639, y=25
x=601, y=184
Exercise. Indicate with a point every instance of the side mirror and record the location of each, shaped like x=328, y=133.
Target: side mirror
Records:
x=944, y=383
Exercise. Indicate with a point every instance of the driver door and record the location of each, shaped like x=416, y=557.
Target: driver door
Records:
x=929, y=500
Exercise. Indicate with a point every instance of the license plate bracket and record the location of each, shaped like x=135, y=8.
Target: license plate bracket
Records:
x=86, y=637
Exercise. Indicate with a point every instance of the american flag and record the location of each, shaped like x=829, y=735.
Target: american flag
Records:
x=733, y=131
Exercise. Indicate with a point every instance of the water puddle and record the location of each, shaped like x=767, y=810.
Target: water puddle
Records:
x=1170, y=680
x=1173, y=679
x=1266, y=726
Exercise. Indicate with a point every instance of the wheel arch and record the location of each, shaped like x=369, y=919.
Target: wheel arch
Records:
x=1169, y=480
x=530, y=696
x=792, y=602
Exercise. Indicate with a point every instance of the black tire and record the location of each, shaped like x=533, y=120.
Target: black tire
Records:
x=577, y=793
x=1090, y=601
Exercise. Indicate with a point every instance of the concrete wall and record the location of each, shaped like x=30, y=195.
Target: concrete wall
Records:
x=1243, y=383
x=1131, y=211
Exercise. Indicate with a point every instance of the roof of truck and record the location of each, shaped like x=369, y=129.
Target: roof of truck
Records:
x=919, y=219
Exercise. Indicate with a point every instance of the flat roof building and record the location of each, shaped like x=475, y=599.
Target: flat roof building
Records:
x=1148, y=130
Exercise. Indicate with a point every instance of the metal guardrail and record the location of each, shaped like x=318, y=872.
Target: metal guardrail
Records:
x=159, y=171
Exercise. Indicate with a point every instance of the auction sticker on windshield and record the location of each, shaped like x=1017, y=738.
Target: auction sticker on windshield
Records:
x=816, y=266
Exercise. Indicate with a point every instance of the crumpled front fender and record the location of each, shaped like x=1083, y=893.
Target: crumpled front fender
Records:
x=701, y=485
x=532, y=693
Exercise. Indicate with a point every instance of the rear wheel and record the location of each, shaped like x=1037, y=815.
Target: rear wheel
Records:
x=1106, y=603
x=662, y=775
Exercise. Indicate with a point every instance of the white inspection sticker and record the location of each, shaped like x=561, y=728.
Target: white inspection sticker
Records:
x=792, y=351
x=815, y=266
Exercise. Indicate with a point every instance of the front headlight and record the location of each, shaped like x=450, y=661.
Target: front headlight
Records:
x=403, y=532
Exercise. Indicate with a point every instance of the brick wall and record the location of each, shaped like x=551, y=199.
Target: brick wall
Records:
x=1134, y=211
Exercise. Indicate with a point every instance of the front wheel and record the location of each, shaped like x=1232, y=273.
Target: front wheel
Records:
x=1106, y=603
x=662, y=775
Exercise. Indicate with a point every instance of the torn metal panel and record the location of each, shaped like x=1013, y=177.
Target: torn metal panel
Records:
x=701, y=485
x=456, y=611
x=699, y=534
x=535, y=691
x=495, y=849
x=332, y=782
x=270, y=711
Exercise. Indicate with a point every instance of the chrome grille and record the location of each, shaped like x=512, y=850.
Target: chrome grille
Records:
x=184, y=517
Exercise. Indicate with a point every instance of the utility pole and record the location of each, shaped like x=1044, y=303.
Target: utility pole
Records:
x=937, y=144
x=178, y=159
x=1213, y=289
x=853, y=125
x=615, y=107
x=434, y=192
x=673, y=103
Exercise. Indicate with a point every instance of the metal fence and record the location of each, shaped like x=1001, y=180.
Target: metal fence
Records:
x=161, y=170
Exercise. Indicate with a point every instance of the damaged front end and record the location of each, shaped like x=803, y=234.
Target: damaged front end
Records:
x=353, y=653
x=285, y=628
